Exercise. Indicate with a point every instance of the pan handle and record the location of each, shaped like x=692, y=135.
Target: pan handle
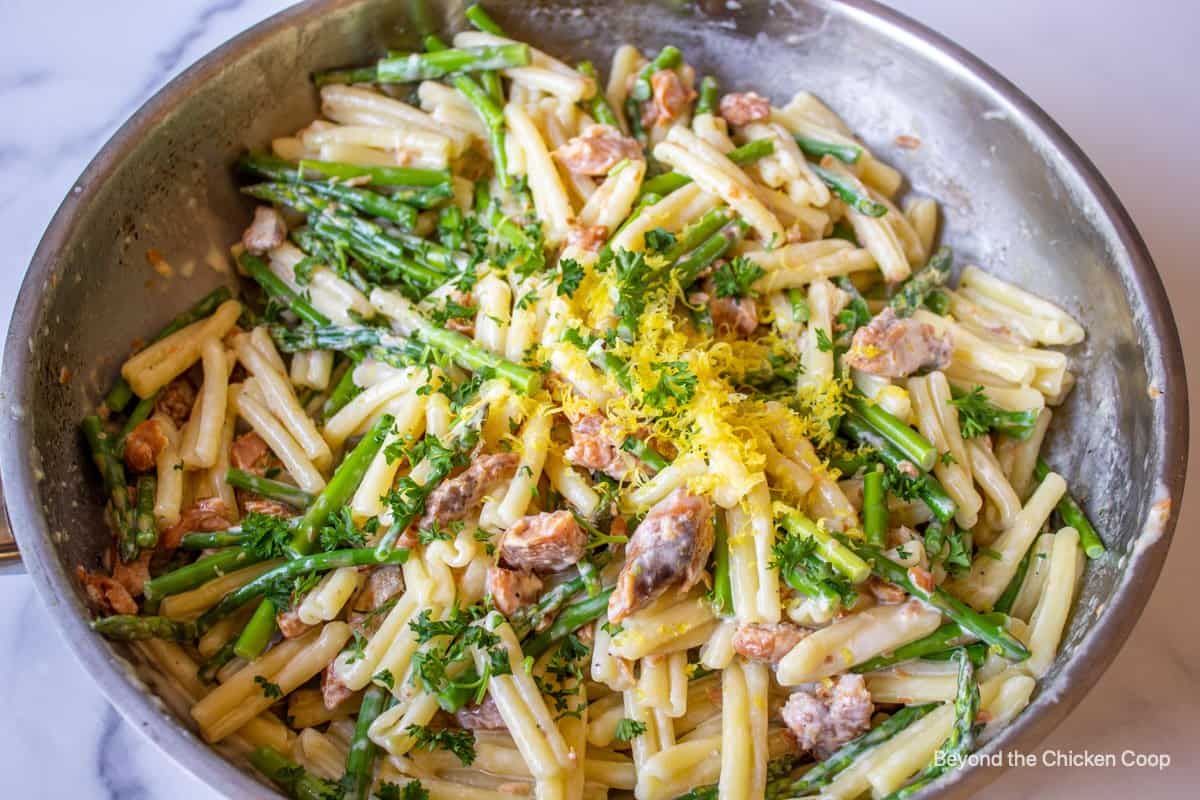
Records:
x=10, y=557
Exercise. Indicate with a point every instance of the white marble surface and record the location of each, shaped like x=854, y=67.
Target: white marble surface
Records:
x=1118, y=76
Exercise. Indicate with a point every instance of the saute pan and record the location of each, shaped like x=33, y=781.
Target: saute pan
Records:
x=1019, y=198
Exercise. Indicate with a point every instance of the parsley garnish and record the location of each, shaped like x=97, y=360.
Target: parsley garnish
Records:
x=357, y=649
x=659, y=240
x=459, y=742
x=266, y=536
x=270, y=690
x=340, y=532
x=675, y=382
x=571, y=272
x=451, y=310
x=736, y=278
x=384, y=678
x=823, y=342
x=629, y=729
x=978, y=416
x=413, y=790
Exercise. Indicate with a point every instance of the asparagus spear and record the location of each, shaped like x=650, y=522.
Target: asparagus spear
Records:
x=946, y=637
x=257, y=269
x=849, y=193
x=598, y=105
x=364, y=200
x=746, y=154
x=343, y=392
x=233, y=537
x=669, y=57
x=572, y=618
x=836, y=554
x=707, y=102
x=414, y=67
x=645, y=453
x=297, y=782
x=1005, y=602
x=360, y=760
x=478, y=17
x=1073, y=515
x=141, y=412
x=144, y=522
x=915, y=447
x=195, y=574
x=954, y=750
x=341, y=486
x=928, y=489
x=119, y=396
x=688, y=268
x=130, y=627
x=272, y=490
x=825, y=771
x=968, y=619
x=875, y=510
x=255, y=637
x=320, y=562
x=722, y=592
x=212, y=665
x=113, y=474
x=532, y=618
x=379, y=175
x=465, y=440
x=698, y=232
x=488, y=104
x=911, y=294
x=816, y=148
x=976, y=652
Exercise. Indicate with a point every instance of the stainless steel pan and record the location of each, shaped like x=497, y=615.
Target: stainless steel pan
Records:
x=1020, y=198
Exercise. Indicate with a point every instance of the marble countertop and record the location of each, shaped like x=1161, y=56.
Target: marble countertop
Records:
x=1118, y=76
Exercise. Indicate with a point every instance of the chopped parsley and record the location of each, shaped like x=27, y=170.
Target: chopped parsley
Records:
x=629, y=729
x=736, y=278
x=266, y=536
x=457, y=741
x=978, y=416
x=659, y=240
x=675, y=383
x=270, y=690
x=340, y=531
x=413, y=790
x=570, y=276
x=824, y=344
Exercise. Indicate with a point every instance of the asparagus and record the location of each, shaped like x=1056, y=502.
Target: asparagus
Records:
x=297, y=782
x=320, y=562
x=799, y=577
x=272, y=490
x=341, y=486
x=364, y=200
x=645, y=453
x=799, y=303
x=367, y=240
x=707, y=103
x=875, y=510
x=1004, y=603
x=746, y=154
x=213, y=664
x=130, y=627
x=825, y=771
x=480, y=19
x=847, y=153
x=830, y=550
x=946, y=637
x=938, y=302
x=360, y=760
x=598, y=105
x=415, y=67
x=849, y=193
x=572, y=618
x=343, y=392
x=141, y=412
x=232, y=537
x=195, y=574
x=531, y=618
x=698, y=232
x=722, y=592
x=927, y=487
x=1073, y=515
x=915, y=447
x=976, y=652
x=688, y=268
x=669, y=57
x=969, y=620
x=379, y=175
x=911, y=294
x=255, y=637
x=119, y=396
x=439, y=470
x=488, y=104
x=145, y=525
x=954, y=750
x=257, y=269
x=113, y=474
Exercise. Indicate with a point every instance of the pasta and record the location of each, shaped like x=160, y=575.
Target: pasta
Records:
x=591, y=439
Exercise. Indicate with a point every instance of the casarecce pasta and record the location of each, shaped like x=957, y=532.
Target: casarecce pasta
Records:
x=572, y=439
